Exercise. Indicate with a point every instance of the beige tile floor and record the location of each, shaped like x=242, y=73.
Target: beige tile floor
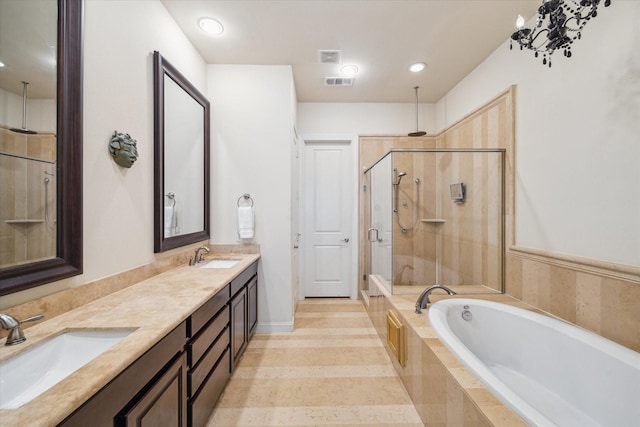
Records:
x=331, y=371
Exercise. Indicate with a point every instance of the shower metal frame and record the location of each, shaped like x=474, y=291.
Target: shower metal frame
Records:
x=502, y=152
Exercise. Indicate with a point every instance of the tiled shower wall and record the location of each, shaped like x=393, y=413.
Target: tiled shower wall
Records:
x=597, y=296
x=468, y=241
x=24, y=234
x=415, y=251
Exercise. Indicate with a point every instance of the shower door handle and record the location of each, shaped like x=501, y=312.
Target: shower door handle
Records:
x=372, y=239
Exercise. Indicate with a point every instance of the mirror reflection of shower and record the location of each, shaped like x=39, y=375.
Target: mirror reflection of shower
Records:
x=47, y=208
x=397, y=179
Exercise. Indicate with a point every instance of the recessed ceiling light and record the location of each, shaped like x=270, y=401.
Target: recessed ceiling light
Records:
x=211, y=26
x=349, y=70
x=417, y=67
x=1, y=64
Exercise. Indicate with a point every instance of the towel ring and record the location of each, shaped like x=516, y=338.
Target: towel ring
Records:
x=172, y=197
x=245, y=196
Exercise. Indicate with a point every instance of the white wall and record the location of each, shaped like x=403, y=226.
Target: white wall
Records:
x=251, y=136
x=577, y=137
x=118, y=95
x=41, y=113
x=316, y=118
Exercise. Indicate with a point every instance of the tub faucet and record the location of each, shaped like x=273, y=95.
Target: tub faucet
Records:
x=423, y=299
x=198, y=256
x=11, y=324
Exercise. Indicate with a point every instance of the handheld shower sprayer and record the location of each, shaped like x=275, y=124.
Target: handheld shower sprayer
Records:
x=396, y=194
x=396, y=187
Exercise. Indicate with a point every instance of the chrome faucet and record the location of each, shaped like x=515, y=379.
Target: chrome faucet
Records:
x=198, y=257
x=423, y=299
x=11, y=324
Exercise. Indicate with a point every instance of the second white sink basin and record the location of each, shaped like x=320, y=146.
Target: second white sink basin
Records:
x=32, y=372
x=221, y=263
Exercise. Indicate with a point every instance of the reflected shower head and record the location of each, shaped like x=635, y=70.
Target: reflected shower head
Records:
x=401, y=174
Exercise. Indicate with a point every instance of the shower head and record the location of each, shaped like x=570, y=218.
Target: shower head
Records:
x=24, y=113
x=399, y=176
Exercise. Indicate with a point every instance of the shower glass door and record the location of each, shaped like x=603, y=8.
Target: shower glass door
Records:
x=380, y=233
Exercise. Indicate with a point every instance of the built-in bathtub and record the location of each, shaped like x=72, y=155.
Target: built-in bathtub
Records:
x=549, y=372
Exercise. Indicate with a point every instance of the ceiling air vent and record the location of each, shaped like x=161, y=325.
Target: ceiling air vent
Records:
x=329, y=56
x=338, y=81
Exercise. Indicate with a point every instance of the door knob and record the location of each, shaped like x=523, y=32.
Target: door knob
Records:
x=346, y=240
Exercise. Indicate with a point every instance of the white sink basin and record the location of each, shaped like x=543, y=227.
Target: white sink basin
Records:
x=221, y=263
x=32, y=372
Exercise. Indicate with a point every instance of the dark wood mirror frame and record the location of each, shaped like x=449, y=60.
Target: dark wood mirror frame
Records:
x=68, y=260
x=161, y=70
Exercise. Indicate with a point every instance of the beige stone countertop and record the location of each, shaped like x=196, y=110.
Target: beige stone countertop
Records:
x=153, y=307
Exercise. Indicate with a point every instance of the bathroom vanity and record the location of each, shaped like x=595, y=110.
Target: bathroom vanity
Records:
x=190, y=327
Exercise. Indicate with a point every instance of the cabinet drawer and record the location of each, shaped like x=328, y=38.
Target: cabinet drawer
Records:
x=200, y=372
x=207, y=311
x=199, y=345
x=243, y=278
x=200, y=407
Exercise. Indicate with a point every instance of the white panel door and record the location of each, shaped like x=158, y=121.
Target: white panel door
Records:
x=328, y=202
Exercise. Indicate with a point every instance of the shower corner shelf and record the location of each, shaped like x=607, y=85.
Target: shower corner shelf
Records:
x=433, y=220
x=24, y=221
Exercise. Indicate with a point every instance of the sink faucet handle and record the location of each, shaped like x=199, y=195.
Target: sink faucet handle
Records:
x=32, y=318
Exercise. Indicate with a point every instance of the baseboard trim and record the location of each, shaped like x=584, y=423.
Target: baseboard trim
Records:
x=274, y=327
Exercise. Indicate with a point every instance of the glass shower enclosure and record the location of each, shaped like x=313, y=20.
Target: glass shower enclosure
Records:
x=436, y=216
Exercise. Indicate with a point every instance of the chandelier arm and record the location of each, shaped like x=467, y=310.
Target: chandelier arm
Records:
x=580, y=24
x=538, y=35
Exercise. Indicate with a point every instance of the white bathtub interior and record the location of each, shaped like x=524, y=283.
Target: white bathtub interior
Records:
x=548, y=371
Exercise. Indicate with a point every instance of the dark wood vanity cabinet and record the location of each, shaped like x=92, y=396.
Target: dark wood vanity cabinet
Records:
x=179, y=380
x=244, y=311
x=152, y=387
x=219, y=333
x=239, y=336
x=164, y=404
x=252, y=305
x=208, y=356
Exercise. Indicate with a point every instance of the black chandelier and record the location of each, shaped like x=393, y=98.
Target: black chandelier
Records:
x=564, y=20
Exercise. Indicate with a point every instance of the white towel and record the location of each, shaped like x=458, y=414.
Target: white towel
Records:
x=245, y=222
x=168, y=221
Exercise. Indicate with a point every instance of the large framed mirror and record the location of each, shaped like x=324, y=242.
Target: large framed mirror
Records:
x=181, y=159
x=41, y=46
